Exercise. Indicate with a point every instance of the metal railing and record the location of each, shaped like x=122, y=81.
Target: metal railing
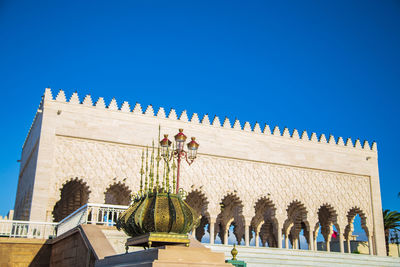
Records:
x=90, y=213
x=27, y=229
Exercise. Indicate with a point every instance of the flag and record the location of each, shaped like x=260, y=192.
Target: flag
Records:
x=334, y=235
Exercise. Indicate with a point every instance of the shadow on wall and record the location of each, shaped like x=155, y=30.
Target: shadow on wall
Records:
x=42, y=257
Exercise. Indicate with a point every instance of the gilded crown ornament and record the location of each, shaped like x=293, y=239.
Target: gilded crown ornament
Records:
x=158, y=214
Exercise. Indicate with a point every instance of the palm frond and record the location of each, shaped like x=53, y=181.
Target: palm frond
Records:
x=391, y=219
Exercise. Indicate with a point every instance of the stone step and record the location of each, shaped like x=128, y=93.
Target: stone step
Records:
x=258, y=257
x=262, y=256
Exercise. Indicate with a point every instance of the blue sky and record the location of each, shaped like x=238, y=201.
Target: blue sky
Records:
x=323, y=66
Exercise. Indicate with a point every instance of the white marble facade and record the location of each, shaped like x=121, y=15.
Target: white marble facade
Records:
x=286, y=178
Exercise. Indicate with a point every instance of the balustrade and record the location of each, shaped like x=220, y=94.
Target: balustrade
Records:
x=91, y=213
x=27, y=229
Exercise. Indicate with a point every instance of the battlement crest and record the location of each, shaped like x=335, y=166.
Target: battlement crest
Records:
x=216, y=122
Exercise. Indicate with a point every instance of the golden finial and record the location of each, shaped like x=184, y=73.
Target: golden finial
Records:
x=151, y=169
x=158, y=159
x=167, y=177
x=141, y=174
x=147, y=169
x=167, y=170
x=234, y=252
x=173, y=171
x=164, y=177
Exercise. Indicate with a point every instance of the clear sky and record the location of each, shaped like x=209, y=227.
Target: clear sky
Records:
x=329, y=67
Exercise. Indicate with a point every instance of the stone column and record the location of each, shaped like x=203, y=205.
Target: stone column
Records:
x=212, y=227
x=341, y=242
x=226, y=231
x=286, y=241
x=329, y=238
x=310, y=240
x=348, y=244
x=370, y=244
x=279, y=237
x=257, y=238
x=246, y=234
x=315, y=244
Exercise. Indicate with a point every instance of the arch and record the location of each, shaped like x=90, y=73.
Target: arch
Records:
x=231, y=215
x=296, y=223
x=73, y=195
x=197, y=200
x=327, y=218
x=117, y=194
x=351, y=214
x=64, y=180
x=264, y=222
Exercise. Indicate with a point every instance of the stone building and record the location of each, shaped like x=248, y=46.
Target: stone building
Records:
x=267, y=183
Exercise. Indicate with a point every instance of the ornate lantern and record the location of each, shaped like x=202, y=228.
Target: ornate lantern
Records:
x=165, y=145
x=192, y=148
x=180, y=140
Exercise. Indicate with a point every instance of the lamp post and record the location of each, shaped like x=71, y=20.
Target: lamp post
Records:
x=395, y=239
x=178, y=152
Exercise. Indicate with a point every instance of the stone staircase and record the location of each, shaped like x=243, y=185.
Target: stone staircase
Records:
x=261, y=256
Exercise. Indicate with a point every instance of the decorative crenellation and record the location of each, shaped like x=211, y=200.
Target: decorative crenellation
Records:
x=47, y=95
x=194, y=118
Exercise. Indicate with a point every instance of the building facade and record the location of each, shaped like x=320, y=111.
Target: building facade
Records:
x=268, y=184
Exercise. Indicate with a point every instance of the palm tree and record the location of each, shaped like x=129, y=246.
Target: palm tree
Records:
x=391, y=221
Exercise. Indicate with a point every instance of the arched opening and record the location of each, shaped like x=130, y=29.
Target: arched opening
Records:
x=264, y=224
x=198, y=201
x=326, y=236
x=252, y=236
x=296, y=227
x=117, y=194
x=236, y=232
x=230, y=222
x=74, y=194
x=202, y=232
x=356, y=233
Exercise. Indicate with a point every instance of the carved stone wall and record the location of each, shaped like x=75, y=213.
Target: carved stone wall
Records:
x=100, y=145
x=101, y=164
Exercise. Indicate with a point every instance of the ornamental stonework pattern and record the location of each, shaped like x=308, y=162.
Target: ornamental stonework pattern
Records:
x=100, y=164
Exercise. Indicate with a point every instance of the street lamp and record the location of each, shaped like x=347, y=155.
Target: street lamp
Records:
x=179, y=151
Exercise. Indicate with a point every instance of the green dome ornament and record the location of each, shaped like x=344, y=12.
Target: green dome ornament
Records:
x=158, y=214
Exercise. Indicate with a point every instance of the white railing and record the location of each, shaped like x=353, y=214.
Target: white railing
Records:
x=105, y=214
x=91, y=213
x=27, y=229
